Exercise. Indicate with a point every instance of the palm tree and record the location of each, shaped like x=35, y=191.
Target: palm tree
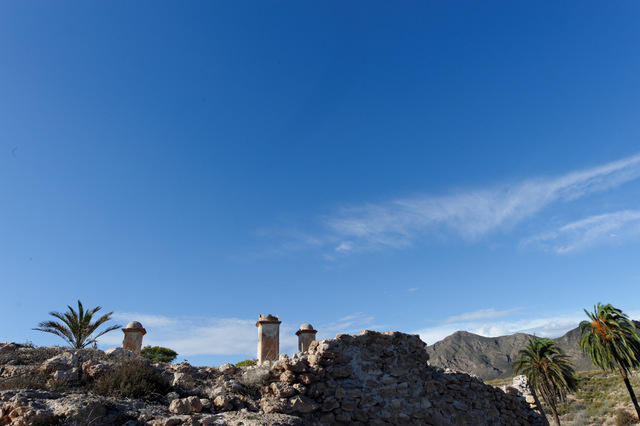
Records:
x=549, y=371
x=76, y=327
x=612, y=342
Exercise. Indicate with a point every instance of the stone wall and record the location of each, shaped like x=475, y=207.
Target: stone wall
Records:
x=383, y=378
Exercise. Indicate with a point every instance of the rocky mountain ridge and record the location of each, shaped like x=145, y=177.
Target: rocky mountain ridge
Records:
x=492, y=357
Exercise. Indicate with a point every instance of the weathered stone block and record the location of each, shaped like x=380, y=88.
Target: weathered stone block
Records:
x=288, y=377
x=302, y=405
x=194, y=402
x=282, y=390
x=330, y=404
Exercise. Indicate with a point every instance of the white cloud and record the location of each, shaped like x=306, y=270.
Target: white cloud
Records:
x=345, y=247
x=191, y=336
x=594, y=230
x=398, y=223
x=194, y=336
x=148, y=320
x=633, y=314
x=432, y=335
x=474, y=322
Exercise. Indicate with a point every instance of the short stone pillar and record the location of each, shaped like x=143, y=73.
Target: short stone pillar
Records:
x=268, y=337
x=306, y=335
x=132, y=340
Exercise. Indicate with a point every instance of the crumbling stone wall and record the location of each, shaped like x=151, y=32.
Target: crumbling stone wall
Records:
x=383, y=378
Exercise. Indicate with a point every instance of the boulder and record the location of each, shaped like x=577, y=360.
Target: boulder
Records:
x=227, y=369
x=119, y=352
x=180, y=406
x=183, y=380
x=66, y=361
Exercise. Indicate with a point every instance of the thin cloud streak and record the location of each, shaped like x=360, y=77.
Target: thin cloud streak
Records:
x=610, y=228
x=399, y=223
x=350, y=324
x=478, y=315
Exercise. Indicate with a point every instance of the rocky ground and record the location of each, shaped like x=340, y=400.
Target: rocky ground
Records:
x=54, y=385
x=372, y=378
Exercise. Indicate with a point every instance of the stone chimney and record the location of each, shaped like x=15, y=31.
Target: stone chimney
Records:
x=268, y=338
x=306, y=335
x=132, y=340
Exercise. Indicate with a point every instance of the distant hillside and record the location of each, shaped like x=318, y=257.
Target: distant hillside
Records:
x=492, y=357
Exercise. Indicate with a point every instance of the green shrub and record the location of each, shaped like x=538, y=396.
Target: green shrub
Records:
x=247, y=363
x=133, y=378
x=158, y=354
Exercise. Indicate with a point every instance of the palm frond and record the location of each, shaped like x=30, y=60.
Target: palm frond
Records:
x=548, y=369
x=76, y=327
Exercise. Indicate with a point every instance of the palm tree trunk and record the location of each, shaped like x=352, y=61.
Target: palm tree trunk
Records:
x=539, y=405
x=555, y=415
x=625, y=377
x=551, y=403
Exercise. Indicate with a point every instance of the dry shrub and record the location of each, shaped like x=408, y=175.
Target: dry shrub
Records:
x=134, y=378
x=30, y=355
x=32, y=379
x=625, y=418
x=254, y=378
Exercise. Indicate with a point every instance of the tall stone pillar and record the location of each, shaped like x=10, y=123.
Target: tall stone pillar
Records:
x=132, y=340
x=306, y=335
x=268, y=338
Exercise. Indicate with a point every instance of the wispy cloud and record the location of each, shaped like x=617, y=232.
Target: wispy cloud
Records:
x=399, y=223
x=608, y=228
x=349, y=324
x=190, y=336
x=478, y=315
x=482, y=323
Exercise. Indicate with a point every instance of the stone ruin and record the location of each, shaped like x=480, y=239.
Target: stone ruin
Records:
x=132, y=340
x=268, y=337
x=306, y=336
x=373, y=378
x=380, y=378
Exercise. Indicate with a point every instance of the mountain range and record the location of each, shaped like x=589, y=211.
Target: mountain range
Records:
x=492, y=357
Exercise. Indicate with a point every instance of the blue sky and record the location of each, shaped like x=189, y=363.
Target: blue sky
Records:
x=424, y=167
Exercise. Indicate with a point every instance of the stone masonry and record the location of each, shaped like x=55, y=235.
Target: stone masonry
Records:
x=383, y=378
x=306, y=335
x=132, y=339
x=268, y=338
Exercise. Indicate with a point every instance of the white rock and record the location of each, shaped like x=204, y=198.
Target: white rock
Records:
x=117, y=352
x=227, y=368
